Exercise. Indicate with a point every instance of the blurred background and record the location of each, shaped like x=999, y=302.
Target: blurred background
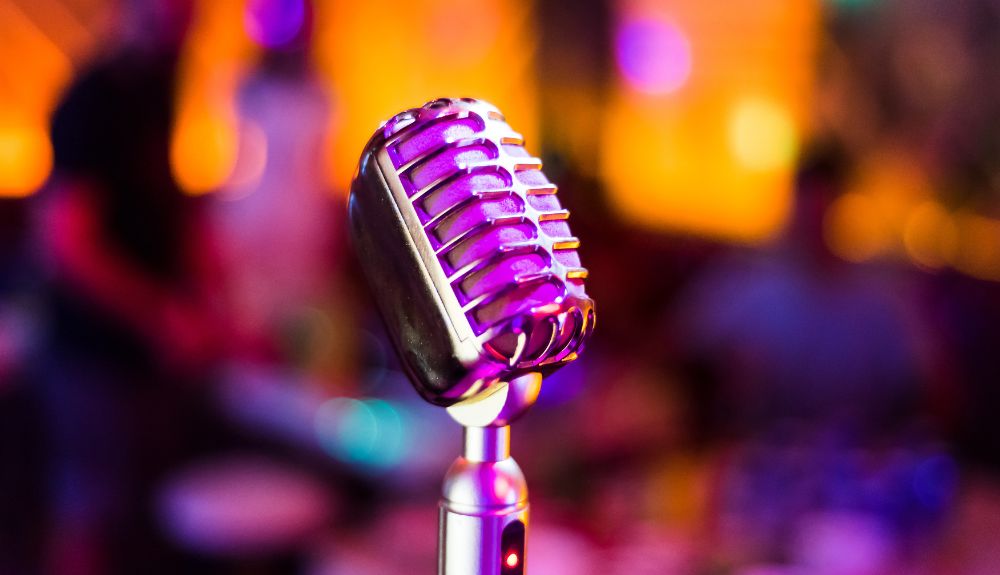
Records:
x=790, y=210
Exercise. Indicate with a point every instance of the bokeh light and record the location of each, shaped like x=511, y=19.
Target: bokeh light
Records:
x=653, y=54
x=762, y=135
x=274, y=23
x=204, y=148
x=25, y=159
x=366, y=432
x=853, y=4
x=205, y=142
x=930, y=235
x=420, y=55
x=979, y=247
x=40, y=48
x=464, y=31
x=854, y=229
x=715, y=155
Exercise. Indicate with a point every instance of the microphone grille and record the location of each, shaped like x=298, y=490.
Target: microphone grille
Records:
x=497, y=229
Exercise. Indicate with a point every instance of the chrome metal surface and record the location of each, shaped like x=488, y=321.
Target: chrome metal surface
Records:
x=447, y=341
x=499, y=405
x=486, y=443
x=484, y=492
x=482, y=293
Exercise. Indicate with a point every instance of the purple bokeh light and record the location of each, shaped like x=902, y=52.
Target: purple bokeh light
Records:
x=653, y=54
x=274, y=23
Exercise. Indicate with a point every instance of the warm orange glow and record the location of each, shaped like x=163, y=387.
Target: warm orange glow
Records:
x=890, y=211
x=33, y=66
x=930, y=235
x=855, y=228
x=41, y=43
x=715, y=155
x=874, y=218
x=203, y=151
x=205, y=140
x=979, y=247
x=381, y=60
x=25, y=159
x=73, y=29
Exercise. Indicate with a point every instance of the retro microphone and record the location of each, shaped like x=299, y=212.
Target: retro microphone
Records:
x=475, y=272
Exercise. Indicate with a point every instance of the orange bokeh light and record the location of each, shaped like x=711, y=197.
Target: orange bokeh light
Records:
x=715, y=155
x=203, y=151
x=978, y=253
x=37, y=56
x=25, y=159
x=380, y=61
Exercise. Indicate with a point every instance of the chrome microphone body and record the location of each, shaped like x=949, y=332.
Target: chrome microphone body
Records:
x=470, y=259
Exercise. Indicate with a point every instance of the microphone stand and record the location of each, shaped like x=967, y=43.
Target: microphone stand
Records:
x=483, y=518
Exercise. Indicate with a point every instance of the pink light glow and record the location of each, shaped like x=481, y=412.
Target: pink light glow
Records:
x=653, y=54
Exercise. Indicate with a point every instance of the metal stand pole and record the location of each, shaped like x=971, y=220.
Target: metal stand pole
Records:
x=484, y=508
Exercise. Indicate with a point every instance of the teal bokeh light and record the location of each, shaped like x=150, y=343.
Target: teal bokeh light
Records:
x=367, y=432
x=852, y=4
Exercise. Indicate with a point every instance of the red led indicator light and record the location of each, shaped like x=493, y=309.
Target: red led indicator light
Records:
x=511, y=551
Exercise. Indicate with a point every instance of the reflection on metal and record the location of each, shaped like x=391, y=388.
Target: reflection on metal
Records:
x=476, y=289
x=469, y=256
x=484, y=492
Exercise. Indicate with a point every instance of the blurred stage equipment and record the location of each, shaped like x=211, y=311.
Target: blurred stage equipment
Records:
x=467, y=252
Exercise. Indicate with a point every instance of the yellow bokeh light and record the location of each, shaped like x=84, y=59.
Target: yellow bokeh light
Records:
x=762, y=135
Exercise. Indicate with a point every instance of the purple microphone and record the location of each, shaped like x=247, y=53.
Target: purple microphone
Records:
x=478, y=280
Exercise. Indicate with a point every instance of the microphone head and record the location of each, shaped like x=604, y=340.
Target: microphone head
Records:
x=467, y=251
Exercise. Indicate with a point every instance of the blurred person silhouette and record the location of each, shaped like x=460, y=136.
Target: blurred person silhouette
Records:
x=134, y=327
x=278, y=224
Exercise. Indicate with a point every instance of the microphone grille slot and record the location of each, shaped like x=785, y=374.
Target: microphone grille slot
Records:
x=498, y=229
